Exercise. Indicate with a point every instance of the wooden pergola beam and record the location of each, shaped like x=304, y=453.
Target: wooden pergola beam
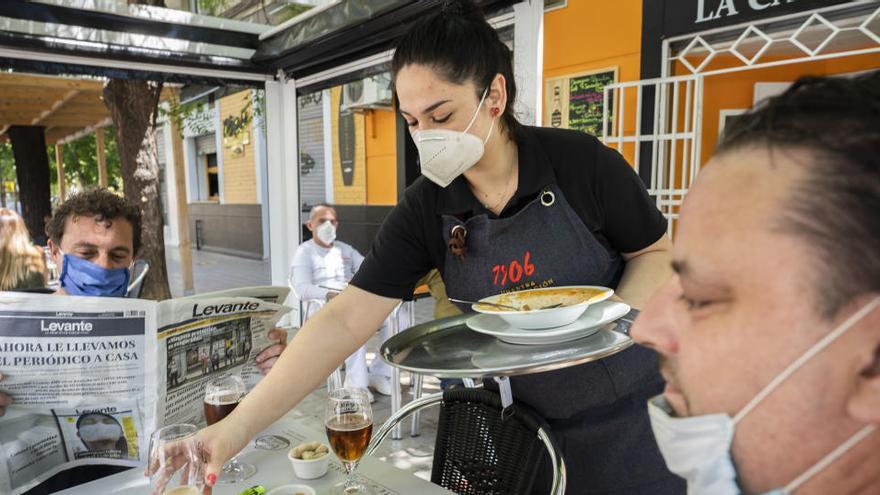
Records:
x=26, y=93
x=58, y=104
x=74, y=121
x=102, y=160
x=49, y=82
x=59, y=166
x=86, y=131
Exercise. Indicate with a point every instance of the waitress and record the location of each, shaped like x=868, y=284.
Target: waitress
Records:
x=557, y=202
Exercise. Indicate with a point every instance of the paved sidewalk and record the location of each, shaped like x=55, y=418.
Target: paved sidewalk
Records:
x=214, y=271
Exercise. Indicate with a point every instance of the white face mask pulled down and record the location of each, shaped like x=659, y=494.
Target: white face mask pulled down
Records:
x=326, y=233
x=697, y=448
x=446, y=154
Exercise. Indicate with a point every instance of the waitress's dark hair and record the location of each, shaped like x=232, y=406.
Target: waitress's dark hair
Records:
x=457, y=41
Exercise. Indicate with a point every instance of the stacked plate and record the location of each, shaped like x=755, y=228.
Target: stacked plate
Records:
x=591, y=321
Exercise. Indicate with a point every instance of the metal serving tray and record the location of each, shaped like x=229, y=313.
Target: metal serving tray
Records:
x=447, y=348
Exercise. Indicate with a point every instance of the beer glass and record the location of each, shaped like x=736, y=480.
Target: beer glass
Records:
x=221, y=397
x=349, y=422
x=172, y=449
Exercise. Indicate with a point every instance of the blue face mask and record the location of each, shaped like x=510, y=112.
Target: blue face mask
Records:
x=80, y=277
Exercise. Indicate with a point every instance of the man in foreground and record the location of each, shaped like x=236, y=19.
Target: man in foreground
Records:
x=769, y=332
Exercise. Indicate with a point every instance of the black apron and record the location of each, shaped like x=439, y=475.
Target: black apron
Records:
x=597, y=411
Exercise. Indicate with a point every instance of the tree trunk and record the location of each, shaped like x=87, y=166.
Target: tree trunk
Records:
x=133, y=106
x=32, y=172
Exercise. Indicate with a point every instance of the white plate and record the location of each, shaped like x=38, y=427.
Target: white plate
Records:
x=291, y=490
x=571, y=295
x=596, y=316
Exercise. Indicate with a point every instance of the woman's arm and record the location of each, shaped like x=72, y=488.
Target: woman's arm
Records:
x=331, y=335
x=646, y=270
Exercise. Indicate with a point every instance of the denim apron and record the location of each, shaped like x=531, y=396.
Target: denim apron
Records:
x=597, y=411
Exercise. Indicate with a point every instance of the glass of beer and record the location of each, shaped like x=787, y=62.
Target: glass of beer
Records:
x=349, y=423
x=221, y=397
x=174, y=449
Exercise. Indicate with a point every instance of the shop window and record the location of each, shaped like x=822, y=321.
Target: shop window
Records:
x=554, y=4
x=213, y=177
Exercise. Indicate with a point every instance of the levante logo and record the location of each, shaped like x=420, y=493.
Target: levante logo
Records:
x=67, y=327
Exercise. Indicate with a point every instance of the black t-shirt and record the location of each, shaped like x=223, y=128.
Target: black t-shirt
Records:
x=600, y=186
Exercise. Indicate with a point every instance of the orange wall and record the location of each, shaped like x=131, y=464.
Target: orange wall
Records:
x=592, y=35
x=381, y=144
x=735, y=90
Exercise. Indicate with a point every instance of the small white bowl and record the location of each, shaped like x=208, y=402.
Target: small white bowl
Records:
x=292, y=490
x=577, y=298
x=309, y=469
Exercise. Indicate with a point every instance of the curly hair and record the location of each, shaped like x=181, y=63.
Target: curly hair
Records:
x=100, y=203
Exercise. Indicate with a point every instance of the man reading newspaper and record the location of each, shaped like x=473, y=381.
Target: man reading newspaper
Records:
x=94, y=237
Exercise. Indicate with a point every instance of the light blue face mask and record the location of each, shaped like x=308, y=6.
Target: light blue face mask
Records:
x=81, y=277
x=697, y=448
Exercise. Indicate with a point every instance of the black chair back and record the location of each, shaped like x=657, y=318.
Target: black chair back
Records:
x=479, y=453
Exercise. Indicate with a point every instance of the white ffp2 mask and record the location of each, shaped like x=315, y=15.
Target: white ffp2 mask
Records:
x=326, y=233
x=446, y=154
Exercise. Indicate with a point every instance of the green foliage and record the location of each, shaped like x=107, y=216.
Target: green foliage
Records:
x=81, y=162
x=7, y=162
x=290, y=11
x=212, y=7
x=196, y=116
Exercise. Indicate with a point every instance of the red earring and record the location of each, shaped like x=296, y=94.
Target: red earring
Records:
x=495, y=112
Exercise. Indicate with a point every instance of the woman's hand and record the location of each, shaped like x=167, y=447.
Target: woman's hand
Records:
x=213, y=446
x=218, y=443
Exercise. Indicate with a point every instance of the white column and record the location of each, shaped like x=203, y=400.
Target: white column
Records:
x=171, y=237
x=283, y=178
x=258, y=128
x=528, y=59
x=328, y=146
x=218, y=137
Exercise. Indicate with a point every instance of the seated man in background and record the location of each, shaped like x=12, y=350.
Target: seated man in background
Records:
x=321, y=268
x=769, y=331
x=94, y=237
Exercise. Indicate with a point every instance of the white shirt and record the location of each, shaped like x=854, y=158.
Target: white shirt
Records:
x=314, y=266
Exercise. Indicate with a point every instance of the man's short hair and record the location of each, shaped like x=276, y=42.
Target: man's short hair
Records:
x=836, y=207
x=100, y=203
x=314, y=210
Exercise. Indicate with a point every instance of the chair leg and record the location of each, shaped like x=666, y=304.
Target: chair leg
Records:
x=396, y=393
x=334, y=381
x=415, y=429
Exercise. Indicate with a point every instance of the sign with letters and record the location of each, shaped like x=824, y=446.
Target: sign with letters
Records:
x=688, y=16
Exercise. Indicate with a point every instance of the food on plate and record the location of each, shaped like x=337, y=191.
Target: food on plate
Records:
x=309, y=451
x=532, y=300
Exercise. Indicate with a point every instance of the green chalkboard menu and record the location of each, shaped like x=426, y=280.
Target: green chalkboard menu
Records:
x=585, y=101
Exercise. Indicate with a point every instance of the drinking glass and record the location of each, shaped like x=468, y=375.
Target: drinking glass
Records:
x=221, y=397
x=348, y=419
x=172, y=449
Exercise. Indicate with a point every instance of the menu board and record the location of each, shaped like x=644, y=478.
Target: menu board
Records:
x=576, y=101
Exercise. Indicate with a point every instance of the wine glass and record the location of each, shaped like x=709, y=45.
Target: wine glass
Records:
x=348, y=419
x=172, y=449
x=221, y=397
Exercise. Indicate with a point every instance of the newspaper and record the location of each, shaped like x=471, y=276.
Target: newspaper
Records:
x=91, y=378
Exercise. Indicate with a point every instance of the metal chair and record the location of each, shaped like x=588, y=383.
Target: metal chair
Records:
x=482, y=448
x=139, y=271
x=334, y=381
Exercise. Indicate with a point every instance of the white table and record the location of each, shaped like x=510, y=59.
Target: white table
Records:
x=274, y=469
